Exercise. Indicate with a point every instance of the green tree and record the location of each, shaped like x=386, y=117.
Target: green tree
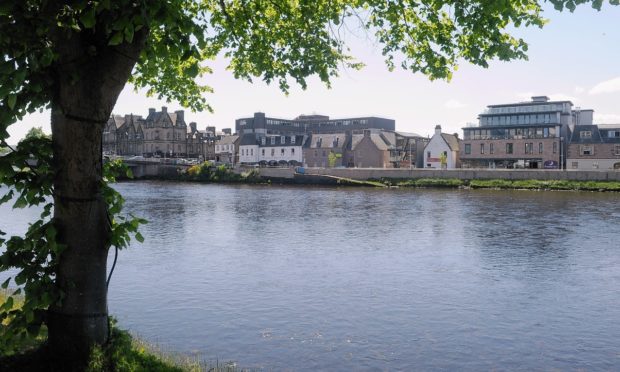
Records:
x=75, y=57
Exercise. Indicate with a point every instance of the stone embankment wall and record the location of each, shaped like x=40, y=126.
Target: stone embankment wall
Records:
x=464, y=174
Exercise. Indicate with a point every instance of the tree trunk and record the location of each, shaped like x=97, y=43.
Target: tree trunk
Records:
x=81, y=218
x=90, y=75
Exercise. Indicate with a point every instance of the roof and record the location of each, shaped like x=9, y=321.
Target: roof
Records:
x=299, y=141
x=227, y=140
x=451, y=140
x=325, y=140
x=118, y=120
x=598, y=134
x=380, y=140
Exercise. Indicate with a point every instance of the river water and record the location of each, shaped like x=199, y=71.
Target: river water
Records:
x=301, y=278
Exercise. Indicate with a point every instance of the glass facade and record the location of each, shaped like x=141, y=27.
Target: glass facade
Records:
x=509, y=133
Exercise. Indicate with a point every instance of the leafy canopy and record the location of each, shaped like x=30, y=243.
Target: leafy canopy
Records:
x=274, y=40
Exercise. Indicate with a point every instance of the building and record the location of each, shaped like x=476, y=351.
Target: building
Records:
x=373, y=149
x=160, y=134
x=306, y=124
x=271, y=150
x=411, y=147
x=226, y=149
x=442, y=151
x=326, y=150
x=594, y=147
x=521, y=135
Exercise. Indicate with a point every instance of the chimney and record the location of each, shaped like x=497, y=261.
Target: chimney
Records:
x=456, y=135
x=192, y=125
x=437, y=129
x=151, y=111
x=180, y=116
x=164, y=109
x=227, y=131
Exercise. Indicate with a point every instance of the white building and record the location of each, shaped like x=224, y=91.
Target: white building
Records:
x=271, y=149
x=442, y=145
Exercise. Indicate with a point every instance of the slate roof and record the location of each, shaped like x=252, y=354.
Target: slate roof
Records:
x=118, y=120
x=227, y=140
x=326, y=141
x=451, y=140
x=299, y=141
x=381, y=140
x=599, y=134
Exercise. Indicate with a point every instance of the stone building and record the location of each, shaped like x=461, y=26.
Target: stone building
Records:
x=319, y=148
x=160, y=134
x=594, y=147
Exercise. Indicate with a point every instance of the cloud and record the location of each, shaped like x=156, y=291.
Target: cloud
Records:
x=453, y=104
x=579, y=89
x=606, y=118
x=607, y=86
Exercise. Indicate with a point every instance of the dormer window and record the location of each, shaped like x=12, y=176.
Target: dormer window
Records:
x=282, y=139
x=585, y=134
x=273, y=140
x=292, y=140
x=263, y=141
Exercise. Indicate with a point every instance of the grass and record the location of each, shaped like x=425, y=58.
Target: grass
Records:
x=506, y=184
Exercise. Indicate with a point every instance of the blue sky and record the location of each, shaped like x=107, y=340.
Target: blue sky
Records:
x=576, y=57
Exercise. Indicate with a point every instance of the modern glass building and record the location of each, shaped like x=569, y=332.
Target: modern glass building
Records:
x=522, y=135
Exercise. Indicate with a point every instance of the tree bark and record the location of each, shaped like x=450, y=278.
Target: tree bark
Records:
x=89, y=78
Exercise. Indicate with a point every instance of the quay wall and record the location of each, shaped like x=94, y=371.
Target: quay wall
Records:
x=363, y=174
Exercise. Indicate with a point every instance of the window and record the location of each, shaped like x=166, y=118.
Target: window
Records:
x=263, y=142
x=555, y=147
x=428, y=153
x=282, y=152
x=467, y=148
x=324, y=154
x=482, y=148
x=585, y=134
x=263, y=152
x=491, y=148
x=529, y=147
x=252, y=152
x=282, y=139
x=509, y=148
x=292, y=151
x=540, y=147
x=273, y=140
x=273, y=151
x=586, y=150
x=616, y=150
x=292, y=139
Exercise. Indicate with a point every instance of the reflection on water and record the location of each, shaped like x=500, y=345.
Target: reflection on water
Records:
x=362, y=279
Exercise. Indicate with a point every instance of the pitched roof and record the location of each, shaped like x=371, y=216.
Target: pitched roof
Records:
x=327, y=140
x=451, y=140
x=227, y=140
x=380, y=140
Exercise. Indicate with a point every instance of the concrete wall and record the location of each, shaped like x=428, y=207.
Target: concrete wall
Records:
x=467, y=174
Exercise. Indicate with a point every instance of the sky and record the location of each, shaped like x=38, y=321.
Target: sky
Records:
x=576, y=56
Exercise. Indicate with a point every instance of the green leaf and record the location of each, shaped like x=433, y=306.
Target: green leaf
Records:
x=116, y=39
x=139, y=237
x=11, y=100
x=88, y=18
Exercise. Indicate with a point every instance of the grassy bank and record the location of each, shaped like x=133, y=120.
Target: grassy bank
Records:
x=506, y=184
x=208, y=172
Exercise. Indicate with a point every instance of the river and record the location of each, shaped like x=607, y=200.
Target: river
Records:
x=307, y=278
